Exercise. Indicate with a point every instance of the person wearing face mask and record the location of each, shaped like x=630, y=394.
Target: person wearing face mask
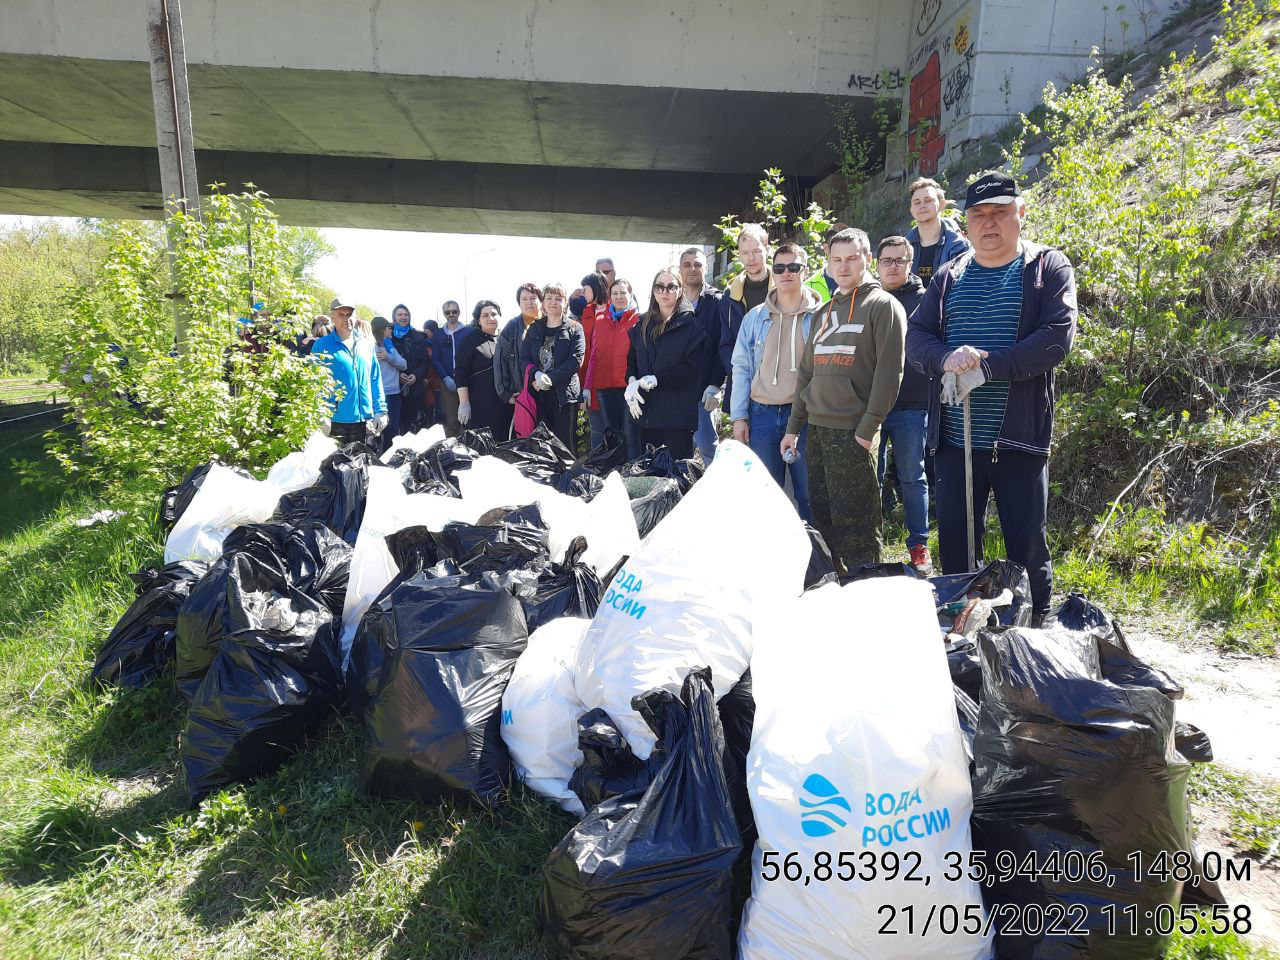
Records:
x=479, y=406
x=415, y=348
x=606, y=377
x=508, y=374
x=766, y=364
x=554, y=346
x=665, y=365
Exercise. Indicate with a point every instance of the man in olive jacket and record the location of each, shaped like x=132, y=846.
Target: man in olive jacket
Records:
x=848, y=382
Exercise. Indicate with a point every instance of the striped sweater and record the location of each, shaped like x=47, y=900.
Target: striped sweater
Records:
x=852, y=364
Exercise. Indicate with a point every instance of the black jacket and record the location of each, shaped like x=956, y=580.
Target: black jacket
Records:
x=567, y=352
x=917, y=389
x=677, y=359
x=1046, y=331
x=416, y=350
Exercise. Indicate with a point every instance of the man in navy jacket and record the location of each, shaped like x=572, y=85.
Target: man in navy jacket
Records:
x=1007, y=308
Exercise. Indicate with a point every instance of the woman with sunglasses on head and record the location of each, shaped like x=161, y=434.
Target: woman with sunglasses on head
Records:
x=665, y=366
x=554, y=347
x=606, y=378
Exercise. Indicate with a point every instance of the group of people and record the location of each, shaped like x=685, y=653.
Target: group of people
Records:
x=823, y=371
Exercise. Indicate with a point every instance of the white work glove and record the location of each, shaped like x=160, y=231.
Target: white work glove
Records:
x=957, y=386
x=586, y=398
x=464, y=413
x=379, y=423
x=541, y=381
x=648, y=382
x=451, y=384
x=633, y=398
x=711, y=398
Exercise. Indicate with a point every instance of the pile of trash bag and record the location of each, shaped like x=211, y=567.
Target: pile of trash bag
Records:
x=1002, y=584
x=141, y=644
x=658, y=462
x=276, y=676
x=336, y=498
x=648, y=873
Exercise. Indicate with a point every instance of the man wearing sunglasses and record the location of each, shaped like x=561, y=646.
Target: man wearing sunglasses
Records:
x=766, y=363
x=444, y=348
x=906, y=425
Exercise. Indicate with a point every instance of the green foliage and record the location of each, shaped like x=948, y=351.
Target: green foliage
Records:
x=38, y=263
x=778, y=216
x=148, y=412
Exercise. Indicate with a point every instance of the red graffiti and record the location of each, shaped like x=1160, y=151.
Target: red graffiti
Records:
x=925, y=116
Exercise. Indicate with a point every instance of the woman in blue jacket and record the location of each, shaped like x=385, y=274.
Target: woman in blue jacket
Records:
x=554, y=346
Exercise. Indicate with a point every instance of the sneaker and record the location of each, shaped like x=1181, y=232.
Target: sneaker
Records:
x=921, y=560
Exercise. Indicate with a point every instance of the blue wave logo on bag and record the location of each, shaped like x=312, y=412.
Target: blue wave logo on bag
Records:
x=820, y=800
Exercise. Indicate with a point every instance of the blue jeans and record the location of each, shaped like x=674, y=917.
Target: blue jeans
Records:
x=595, y=420
x=768, y=425
x=704, y=438
x=906, y=429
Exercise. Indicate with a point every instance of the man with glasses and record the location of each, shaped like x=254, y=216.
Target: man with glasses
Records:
x=766, y=365
x=1001, y=316
x=444, y=349
x=846, y=385
x=907, y=422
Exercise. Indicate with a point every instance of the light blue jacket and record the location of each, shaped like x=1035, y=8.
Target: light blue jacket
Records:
x=355, y=371
x=749, y=348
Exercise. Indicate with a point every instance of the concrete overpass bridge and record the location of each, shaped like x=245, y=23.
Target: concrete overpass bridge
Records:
x=613, y=119
x=596, y=118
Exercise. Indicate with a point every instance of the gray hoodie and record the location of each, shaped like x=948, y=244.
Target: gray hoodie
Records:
x=774, y=382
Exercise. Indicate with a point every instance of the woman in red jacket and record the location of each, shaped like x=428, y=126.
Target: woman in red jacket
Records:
x=607, y=365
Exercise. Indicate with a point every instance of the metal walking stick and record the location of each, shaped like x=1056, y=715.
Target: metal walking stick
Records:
x=968, y=484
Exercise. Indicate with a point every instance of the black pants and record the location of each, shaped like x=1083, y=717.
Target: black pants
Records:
x=679, y=442
x=560, y=418
x=344, y=433
x=1020, y=482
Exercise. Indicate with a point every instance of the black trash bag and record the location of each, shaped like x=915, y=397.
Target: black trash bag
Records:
x=966, y=668
x=609, y=768
x=481, y=441
x=140, y=645
x=503, y=539
x=569, y=589
x=435, y=468
x=1120, y=666
x=541, y=456
x=337, y=498
x=1066, y=760
x=655, y=505
x=433, y=728
x=650, y=874
x=987, y=583
x=175, y=500
x=967, y=713
x=872, y=571
x=1079, y=613
x=199, y=627
x=822, y=569
x=584, y=478
x=318, y=563
x=1192, y=742
x=658, y=462
x=400, y=457
x=737, y=710
x=276, y=678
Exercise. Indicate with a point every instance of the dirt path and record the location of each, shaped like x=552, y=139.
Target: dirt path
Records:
x=1236, y=701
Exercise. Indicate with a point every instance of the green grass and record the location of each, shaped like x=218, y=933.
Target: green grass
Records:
x=100, y=857
x=1253, y=819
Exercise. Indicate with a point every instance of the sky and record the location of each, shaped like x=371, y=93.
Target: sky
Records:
x=381, y=268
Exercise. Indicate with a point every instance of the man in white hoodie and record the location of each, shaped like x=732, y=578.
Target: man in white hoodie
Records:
x=766, y=358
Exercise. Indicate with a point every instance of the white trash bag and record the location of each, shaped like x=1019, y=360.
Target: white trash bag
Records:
x=857, y=753
x=418, y=442
x=687, y=598
x=225, y=500
x=300, y=469
x=540, y=712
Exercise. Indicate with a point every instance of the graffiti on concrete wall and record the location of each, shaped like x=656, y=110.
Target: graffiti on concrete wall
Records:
x=886, y=81
x=941, y=71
